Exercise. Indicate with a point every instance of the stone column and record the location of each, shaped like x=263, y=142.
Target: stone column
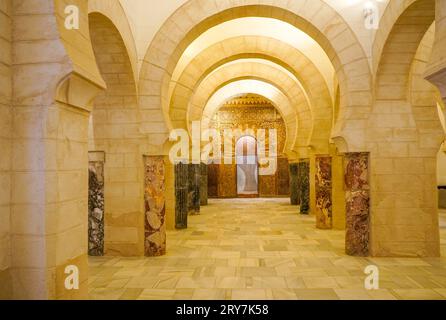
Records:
x=304, y=186
x=338, y=192
x=324, y=213
x=204, y=184
x=96, y=203
x=194, y=189
x=155, y=207
x=294, y=184
x=181, y=195
x=357, y=204
x=283, y=177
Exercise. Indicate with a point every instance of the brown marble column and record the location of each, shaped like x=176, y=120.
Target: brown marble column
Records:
x=357, y=204
x=181, y=195
x=204, y=184
x=283, y=177
x=96, y=203
x=304, y=186
x=155, y=207
x=294, y=184
x=213, y=170
x=194, y=189
x=324, y=213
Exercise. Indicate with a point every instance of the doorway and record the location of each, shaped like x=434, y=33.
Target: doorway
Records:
x=247, y=167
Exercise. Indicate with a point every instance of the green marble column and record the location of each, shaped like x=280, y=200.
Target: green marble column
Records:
x=181, y=195
x=294, y=184
x=304, y=186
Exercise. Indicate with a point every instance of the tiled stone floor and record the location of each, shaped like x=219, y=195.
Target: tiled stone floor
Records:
x=262, y=249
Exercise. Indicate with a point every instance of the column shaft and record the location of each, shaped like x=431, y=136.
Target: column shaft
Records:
x=357, y=204
x=181, y=195
x=96, y=204
x=155, y=207
x=304, y=186
x=204, y=184
x=294, y=184
x=194, y=189
x=324, y=203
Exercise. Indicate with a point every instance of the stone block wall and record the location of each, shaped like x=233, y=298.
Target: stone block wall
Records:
x=6, y=147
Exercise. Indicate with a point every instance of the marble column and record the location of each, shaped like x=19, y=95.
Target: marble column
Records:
x=96, y=204
x=324, y=202
x=283, y=177
x=304, y=186
x=181, y=195
x=155, y=207
x=204, y=184
x=294, y=184
x=357, y=204
x=194, y=189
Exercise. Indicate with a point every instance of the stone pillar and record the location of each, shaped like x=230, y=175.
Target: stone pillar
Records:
x=96, y=203
x=155, y=207
x=294, y=184
x=324, y=202
x=304, y=186
x=204, y=184
x=357, y=204
x=194, y=189
x=338, y=192
x=283, y=177
x=181, y=195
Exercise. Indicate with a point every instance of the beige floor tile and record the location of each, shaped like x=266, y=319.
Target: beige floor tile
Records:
x=269, y=283
x=316, y=294
x=284, y=294
x=418, y=294
x=131, y=294
x=382, y=294
x=159, y=294
x=251, y=294
x=353, y=294
x=196, y=283
x=320, y=282
x=231, y=282
x=209, y=294
x=234, y=250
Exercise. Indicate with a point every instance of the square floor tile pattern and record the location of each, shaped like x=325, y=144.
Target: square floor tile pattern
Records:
x=254, y=249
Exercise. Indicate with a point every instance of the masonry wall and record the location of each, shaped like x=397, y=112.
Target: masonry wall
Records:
x=115, y=121
x=5, y=145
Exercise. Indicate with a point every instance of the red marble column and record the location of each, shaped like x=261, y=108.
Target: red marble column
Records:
x=324, y=204
x=357, y=204
x=155, y=209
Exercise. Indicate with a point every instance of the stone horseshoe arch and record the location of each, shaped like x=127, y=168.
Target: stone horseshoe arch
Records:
x=318, y=20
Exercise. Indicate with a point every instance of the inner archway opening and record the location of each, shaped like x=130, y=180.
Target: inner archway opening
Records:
x=258, y=132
